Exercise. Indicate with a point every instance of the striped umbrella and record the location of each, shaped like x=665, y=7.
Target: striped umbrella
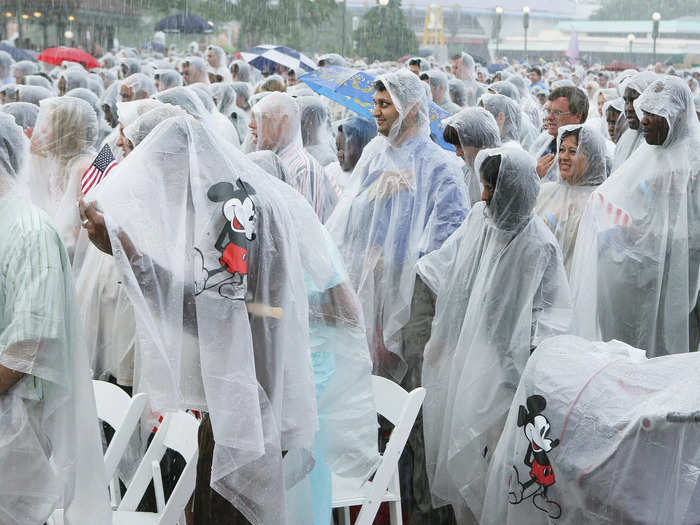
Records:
x=265, y=57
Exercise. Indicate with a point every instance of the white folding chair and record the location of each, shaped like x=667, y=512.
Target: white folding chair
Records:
x=177, y=432
x=122, y=413
x=401, y=409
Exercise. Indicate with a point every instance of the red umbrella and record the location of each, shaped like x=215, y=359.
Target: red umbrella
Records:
x=57, y=55
x=618, y=65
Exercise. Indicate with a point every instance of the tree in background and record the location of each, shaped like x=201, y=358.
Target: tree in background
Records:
x=643, y=9
x=384, y=34
x=286, y=22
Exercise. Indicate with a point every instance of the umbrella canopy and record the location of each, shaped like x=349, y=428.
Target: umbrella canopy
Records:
x=183, y=23
x=354, y=89
x=58, y=55
x=265, y=57
x=16, y=53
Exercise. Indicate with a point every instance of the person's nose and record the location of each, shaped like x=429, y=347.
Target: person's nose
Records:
x=376, y=112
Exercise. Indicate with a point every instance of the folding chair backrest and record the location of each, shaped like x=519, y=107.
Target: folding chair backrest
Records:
x=112, y=403
x=178, y=431
x=400, y=408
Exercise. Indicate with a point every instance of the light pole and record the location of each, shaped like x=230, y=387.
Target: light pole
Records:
x=630, y=40
x=342, y=45
x=496, y=31
x=655, y=19
x=526, y=24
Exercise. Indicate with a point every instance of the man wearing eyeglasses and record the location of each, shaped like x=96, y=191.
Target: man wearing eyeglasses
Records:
x=567, y=105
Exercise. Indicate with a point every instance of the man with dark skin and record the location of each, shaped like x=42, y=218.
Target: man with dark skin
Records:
x=632, y=138
x=654, y=129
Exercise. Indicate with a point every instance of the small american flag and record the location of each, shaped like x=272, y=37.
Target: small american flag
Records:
x=98, y=170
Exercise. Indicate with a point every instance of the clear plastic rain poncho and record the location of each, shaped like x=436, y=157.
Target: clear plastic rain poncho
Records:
x=6, y=62
x=167, y=78
x=530, y=106
x=73, y=78
x=357, y=132
x=466, y=72
x=596, y=115
x=458, y=93
x=32, y=94
x=316, y=133
x=225, y=97
x=95, y=84
x=129, y=66
x=190, y=100
x=141, y=85
x=597, y=434
x=25, y=68
x=50, y=446
x=441, y=91
x=219, y=245
x=278, y=121
x=223, y=125
x=240, y=71
x=137, y=130
x=507, y=114
x=632, y=138
x=197, y=71
x=62, y=147
x=501, y=289
x=405, y=197
x=38, y=80
x=24, y=113
x=561, y=203
x=347, y=440
x=477, y=129
x=92, y=99
x=107, y=314
x=637, y=259
x=219, y=67
x=528, y=132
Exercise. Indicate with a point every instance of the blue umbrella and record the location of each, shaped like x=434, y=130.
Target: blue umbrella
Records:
x=16, y=53
x=182, y=23
x=354, y=89
x=264, y=57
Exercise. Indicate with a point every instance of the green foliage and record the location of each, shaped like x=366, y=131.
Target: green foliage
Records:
x=643, y=9
x=384, y=34
x=215, y=10
x=289, y=22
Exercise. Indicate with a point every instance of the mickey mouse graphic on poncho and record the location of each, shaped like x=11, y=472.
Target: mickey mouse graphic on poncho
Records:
x=231, y=277
x=536, y=428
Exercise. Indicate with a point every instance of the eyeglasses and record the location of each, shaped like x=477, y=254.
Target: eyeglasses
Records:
x=556, y=112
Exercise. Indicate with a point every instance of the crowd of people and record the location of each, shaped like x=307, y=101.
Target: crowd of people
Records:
x=232, y=244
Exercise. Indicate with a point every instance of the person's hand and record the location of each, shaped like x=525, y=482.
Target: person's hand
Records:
x=544, y=164
x=94, y=222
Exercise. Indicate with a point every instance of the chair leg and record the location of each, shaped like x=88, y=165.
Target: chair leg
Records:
x=395, y=513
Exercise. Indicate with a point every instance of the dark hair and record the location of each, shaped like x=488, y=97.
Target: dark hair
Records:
x=414, y=62
x=424, y=76
x=489, y=169
x=578, y=101
x=613, y=110
x=379, y=85
x=536, y=70
x=571, y=133
x=451, y=136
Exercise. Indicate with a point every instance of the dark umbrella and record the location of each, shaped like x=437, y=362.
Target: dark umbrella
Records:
x=182, y=23
x=16, y=53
